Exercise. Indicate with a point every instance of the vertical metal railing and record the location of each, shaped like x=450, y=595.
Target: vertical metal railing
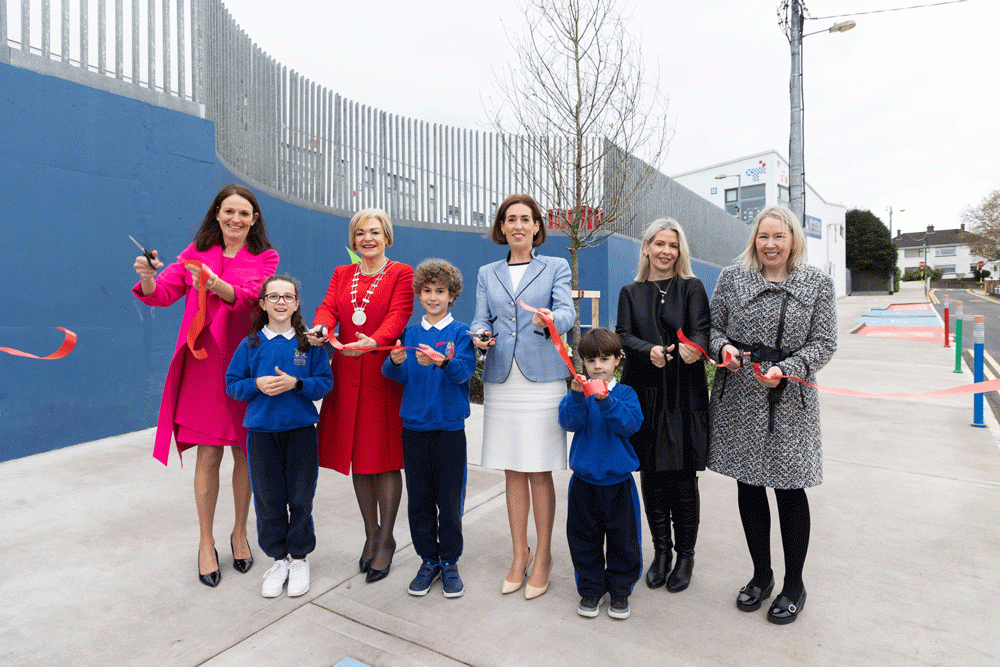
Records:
x=283, y=131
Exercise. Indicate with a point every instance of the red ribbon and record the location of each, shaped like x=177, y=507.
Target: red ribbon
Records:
x=426, y=349
x=590, y=387
x=684, y=339
x=198, y=321
x=69, y=342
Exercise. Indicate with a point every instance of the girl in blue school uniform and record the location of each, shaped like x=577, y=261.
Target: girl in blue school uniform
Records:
x=279, y=374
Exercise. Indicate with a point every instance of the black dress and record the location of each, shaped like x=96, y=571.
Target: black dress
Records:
x=674, y=399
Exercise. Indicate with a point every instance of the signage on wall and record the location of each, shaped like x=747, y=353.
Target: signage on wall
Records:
x=813, y=227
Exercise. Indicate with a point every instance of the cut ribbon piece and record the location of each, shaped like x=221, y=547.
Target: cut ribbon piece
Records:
x=198, y=321
x=69, y=342
x=426, y=349
x=590, y=387
x=961, y=390
x=684, y=339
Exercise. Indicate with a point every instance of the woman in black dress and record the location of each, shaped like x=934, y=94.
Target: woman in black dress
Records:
x=669, y=378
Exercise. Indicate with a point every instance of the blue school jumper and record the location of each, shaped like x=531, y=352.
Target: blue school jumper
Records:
x=281, y=444
x=434, y=408
x=603, y=500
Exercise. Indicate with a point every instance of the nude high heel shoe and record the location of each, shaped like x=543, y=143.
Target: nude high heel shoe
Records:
x=511, y=586
x=531, y=592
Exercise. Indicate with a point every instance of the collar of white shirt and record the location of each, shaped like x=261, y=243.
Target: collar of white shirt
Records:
x=611, y=385
x=448, y=319
x=268, y=334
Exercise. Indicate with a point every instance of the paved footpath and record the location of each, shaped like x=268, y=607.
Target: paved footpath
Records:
x=100, y=544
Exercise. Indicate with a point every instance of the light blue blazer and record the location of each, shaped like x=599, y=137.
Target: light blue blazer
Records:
x=546, y=284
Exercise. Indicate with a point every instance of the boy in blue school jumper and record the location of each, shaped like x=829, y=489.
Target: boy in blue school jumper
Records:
x=603, y=501
x=434, y=408
x=279, y=375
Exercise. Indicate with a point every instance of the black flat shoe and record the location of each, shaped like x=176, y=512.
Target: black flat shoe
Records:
x=783, y=611
x=211, y=579
x=241, y=565
x=376, y=575
x=364, y=564
x=751, y=597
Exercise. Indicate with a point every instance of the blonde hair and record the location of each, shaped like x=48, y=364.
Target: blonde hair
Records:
x=749, y=259
x=361, y=216
x=683, y=264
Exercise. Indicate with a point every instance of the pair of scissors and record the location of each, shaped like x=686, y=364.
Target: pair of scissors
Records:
x=146, y=253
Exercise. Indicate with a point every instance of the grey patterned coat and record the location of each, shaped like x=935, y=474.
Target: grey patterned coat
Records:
x=745, y=308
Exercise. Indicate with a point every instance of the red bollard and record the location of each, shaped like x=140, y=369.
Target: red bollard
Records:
x=947, y=302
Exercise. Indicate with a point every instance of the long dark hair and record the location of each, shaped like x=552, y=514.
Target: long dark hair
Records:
x=260, y=318
x=210, y=233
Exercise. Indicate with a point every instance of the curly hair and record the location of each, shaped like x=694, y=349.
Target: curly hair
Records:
x=260, y=318
x=439, y=272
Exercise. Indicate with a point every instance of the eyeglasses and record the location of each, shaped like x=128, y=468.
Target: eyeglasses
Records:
x=275, y=298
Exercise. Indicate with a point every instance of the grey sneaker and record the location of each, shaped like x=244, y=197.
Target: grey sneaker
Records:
x=619, y=608
x=427, y=574
x=274, y=579
x=590, y=607
x=450, y=581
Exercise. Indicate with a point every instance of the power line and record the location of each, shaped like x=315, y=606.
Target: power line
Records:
x=880, y=11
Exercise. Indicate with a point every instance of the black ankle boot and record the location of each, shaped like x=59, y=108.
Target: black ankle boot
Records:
x=685, y=519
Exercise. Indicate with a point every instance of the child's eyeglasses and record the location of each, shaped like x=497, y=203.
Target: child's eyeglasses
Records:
x=275, y=298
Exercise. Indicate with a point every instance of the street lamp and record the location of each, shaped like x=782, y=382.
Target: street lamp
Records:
x=739, y=188
x=889, y=208
x=796, y=158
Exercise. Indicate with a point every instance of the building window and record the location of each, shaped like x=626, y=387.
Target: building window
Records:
x=751, y=202
x=946, y=269
x=973, y=267
x=913, y=252
x=454, y=213
x=945, y=252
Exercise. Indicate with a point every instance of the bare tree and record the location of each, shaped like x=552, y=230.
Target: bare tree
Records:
x=574, y=116
x=983, y=222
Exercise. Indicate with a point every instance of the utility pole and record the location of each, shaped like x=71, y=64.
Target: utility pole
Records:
x=796, y=157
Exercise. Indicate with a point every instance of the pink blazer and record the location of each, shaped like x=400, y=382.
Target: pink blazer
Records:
x=225, y=326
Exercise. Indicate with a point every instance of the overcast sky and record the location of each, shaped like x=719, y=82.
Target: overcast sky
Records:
x=901, y=111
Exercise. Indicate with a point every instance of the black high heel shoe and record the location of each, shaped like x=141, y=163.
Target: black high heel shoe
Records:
x=211, y=579
x=377, y=575
x=241, y=565
x=364, y=564
x=751, y=597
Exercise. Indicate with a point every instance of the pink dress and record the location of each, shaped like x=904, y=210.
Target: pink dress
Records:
x=195, y=409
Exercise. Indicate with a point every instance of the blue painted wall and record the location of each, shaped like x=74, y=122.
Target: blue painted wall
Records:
x=80, y=170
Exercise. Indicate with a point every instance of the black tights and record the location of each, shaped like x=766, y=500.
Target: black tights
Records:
x=793, y=516
x=378, y=498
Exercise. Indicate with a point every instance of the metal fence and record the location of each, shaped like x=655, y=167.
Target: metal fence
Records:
x=280, y=130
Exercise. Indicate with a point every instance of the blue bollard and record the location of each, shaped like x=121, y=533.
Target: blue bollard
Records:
x=978, y=344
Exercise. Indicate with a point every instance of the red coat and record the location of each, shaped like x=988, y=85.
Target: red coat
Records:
x=225, y=326
x=359, y=423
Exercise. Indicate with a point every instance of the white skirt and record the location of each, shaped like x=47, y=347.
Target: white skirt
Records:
x=521, y=424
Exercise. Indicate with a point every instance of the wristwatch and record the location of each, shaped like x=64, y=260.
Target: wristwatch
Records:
x=298, y=384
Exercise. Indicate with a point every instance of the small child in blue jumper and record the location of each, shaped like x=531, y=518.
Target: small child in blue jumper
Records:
x=603, y=501
x=434, y=408
x=279, y=377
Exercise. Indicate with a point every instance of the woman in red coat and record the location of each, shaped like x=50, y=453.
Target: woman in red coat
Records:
x=359, y=425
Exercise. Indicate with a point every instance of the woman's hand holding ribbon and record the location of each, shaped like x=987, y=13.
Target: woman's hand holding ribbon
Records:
x=733, y=358
x=359, y=346
x=481, y=344
x=540, y=316
x=770, y=379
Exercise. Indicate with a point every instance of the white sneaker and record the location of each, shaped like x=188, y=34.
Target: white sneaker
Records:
x=274, y=579
x=298, y=577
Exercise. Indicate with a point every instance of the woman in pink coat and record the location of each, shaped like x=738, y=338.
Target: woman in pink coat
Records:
x=236, y=255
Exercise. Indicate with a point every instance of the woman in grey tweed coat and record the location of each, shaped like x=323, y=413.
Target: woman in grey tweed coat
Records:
x=774, y=309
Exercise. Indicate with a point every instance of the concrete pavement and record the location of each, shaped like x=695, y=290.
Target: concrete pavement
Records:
x=101, y=551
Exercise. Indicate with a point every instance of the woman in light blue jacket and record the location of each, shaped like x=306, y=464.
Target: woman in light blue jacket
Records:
x=523, y=381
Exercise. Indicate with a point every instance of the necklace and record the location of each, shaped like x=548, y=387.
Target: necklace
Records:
x=359, y=316
x=378, y=270
x=663, y=293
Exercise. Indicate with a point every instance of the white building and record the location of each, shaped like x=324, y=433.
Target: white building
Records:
x=945, y=250
x=745, y=186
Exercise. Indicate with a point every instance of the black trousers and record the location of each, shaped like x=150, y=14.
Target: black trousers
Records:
x=284, y=467
x=435, y=463
x=599, y=514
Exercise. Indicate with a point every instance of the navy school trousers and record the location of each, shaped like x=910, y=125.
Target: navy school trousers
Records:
x=435, y=463
x=284, y=466
x=596, y=514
